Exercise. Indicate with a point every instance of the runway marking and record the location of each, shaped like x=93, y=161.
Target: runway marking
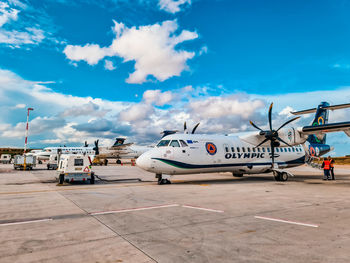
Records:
x=202, y=208
x=132, y=209
x=73, y=189
x=285, y=221
x=26, y=222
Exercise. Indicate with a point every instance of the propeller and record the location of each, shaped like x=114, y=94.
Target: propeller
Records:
x=86, y=144
x=195, y=128
x=167, y=132
x=185, y=128
x=272, y=135
x=97, y=152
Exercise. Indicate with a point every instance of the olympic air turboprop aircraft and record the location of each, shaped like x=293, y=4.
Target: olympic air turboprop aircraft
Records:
x=258, y=152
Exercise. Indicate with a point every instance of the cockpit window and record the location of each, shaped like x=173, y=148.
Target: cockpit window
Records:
x=163, y=143
x=174, y=144
x=183, y=144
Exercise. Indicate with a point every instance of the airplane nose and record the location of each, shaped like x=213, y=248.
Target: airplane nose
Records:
x=144, y=161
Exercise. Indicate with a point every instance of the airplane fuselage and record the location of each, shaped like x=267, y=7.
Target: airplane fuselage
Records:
x=197, y=153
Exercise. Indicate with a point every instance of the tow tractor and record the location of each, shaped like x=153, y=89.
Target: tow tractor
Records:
x=73, y=167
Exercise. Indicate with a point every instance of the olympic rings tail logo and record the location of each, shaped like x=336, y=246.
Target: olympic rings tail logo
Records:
x=211, y=148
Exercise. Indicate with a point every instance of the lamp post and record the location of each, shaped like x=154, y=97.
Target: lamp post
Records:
x=26, y=139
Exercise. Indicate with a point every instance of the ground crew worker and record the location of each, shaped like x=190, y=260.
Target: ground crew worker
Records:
x=326, y=165
x=332, y=168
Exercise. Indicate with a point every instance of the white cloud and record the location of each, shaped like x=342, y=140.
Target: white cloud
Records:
x=152, y=48
x=91, y=53
x=20, y=106
x=216, y=107
x=88, y=109
x=136, y=112
x=203, y=50
x=286, y=111
x=7, y=13
x=157, y=97
x=172, y=6
x=109, y=65
x=16, y=30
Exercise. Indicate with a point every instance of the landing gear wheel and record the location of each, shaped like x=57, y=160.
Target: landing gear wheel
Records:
x=61, y=179
x=284, y=177
x=92, y=179
x=237, y=175
x=119, y=162
x=277, y=176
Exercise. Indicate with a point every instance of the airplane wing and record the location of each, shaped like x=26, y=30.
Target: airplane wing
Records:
x=117, y=147
x=326, y=128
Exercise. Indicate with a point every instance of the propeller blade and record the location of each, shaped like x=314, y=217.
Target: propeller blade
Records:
x=185, y=127
x=255, y=126
x=278, y=138
x=195, y=128
x=287, y=122
x=261, y=143
x=270, y=116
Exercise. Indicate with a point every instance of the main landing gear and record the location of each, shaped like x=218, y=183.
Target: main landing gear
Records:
x=280, y=176
x=163, y=179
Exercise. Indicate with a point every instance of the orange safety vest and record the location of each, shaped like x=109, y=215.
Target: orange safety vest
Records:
x=327, y=164
x=332, y=163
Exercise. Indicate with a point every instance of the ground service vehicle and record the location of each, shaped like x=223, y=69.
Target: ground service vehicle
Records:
x=5, y=158
x=73, y=167
x=52, y=164
x=30, y=162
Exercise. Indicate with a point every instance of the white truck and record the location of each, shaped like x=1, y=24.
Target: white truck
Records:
x=53, y=162
x=30, y=162
x=5, y=158
x=74, y=167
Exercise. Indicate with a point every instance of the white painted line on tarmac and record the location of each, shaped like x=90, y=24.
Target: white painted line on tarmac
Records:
x=202, y=208
x=285, y=221
x=132, y=209
x=26, y=222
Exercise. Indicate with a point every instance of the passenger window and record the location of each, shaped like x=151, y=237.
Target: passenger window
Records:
x=183, y=144
x=289, y=150
x=293, y=149
x=263, y=149
x=268, y=149
x=163, y=143
x=277, y=150
x=174, y=144
x=233, y=149
x=226, y=149
x=78, y=162
x=258, y=150
x=243, y=149
x=248, y=149
x=238, y=150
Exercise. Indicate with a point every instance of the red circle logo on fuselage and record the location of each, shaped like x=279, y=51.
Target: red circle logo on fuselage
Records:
x=211, y=148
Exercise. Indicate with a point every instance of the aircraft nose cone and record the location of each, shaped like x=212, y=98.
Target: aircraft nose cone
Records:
x=144, y=161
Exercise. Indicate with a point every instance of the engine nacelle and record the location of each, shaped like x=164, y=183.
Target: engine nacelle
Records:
x=291, y=136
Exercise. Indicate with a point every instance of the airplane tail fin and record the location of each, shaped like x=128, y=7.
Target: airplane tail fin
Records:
x=119, y=141
x=321, y=117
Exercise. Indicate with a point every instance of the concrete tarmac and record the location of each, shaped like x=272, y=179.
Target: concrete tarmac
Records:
x=198, y=218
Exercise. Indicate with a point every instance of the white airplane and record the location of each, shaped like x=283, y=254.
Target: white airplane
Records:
x=121, y=150
x=264, y=151
x=48, y=151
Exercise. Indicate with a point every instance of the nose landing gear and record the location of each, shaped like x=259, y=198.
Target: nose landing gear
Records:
x=163, y=179
x=280, y=176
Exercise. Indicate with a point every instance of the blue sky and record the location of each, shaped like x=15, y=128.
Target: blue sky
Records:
x=101, y=69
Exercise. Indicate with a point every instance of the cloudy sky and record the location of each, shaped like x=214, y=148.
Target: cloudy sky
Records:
x=106, y=68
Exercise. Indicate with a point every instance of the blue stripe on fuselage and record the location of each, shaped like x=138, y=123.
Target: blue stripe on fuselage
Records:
x=182, y=165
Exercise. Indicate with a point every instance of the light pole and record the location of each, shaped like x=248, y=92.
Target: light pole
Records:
x=26, y=139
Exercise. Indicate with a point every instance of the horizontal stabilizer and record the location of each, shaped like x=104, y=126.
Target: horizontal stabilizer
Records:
x=313, y=110
x=325, y=128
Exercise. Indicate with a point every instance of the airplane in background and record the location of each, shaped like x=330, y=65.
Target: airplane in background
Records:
x=120, y=150
x=258, y=152
x=42, y=155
